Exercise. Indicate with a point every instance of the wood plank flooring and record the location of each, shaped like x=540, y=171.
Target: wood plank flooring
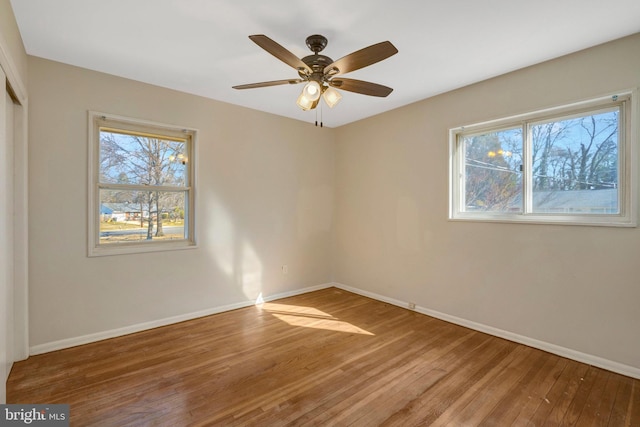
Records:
x=326, y=358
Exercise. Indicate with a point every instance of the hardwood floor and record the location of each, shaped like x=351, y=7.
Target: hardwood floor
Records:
x=324, y=358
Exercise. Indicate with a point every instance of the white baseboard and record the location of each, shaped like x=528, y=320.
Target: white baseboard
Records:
x=531, y=342
x=589, y=359
x=99, y=336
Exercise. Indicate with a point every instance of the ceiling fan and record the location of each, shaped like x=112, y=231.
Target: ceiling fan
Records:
x=322, y=74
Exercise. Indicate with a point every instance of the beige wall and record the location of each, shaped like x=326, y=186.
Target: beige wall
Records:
x=264, y=198
x=572, y=286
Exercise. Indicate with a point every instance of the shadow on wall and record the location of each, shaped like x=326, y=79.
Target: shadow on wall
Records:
x=234, y=254
x=308, y=220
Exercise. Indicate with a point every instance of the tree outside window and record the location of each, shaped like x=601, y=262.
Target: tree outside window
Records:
x=548, y=167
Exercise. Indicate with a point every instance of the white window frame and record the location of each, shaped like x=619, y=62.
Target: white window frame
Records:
x=628, y=175
x=96, y=120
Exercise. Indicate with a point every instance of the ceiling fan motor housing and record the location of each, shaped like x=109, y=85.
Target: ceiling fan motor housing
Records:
x=317, y=63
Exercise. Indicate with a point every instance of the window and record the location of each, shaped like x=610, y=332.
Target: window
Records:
x=568, y=165
x=141, y=186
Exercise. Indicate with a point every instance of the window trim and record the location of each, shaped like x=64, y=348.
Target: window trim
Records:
x=95, y=122
x=629, y=137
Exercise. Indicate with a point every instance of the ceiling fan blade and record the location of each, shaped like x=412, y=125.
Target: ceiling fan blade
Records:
x=271, y=83
x=362, y=58
x=359, y=86
x=279, y=52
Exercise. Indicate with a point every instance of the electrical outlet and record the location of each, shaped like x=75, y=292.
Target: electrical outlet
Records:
x=412, y=306
x=285, y=269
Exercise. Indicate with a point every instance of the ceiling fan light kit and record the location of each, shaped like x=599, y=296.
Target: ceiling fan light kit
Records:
x=305, y=103
x=319, y=71
x=312, y=90
x=331, y=96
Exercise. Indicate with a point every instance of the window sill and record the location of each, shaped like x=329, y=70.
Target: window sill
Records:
x=135, y=248
x=596, y=221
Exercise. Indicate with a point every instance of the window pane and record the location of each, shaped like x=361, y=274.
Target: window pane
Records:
x=127, y=216
x=138, y=159
x=493, y=179
x=575, y=165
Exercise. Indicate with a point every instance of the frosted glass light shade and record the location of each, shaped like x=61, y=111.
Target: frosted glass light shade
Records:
x=304, y=102
x=312, y=91
x=331, y=96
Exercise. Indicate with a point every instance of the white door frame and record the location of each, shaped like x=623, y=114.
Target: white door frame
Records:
x=21, y=204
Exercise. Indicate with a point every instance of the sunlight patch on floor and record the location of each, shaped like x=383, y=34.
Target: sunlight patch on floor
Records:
x=309, y=317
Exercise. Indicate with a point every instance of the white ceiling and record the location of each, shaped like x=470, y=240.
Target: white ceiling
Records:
x=201, y=46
